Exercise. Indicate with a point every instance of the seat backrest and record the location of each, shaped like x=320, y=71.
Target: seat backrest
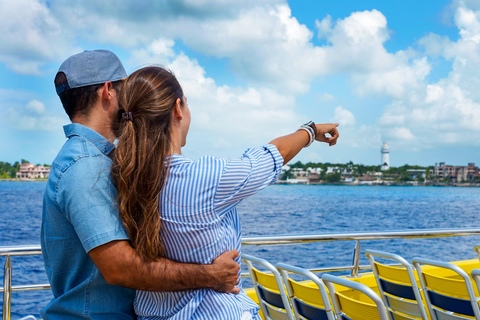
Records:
x=448, y=290
x=477, y=250
x=398, y=286
x=310, y=299
x=270, y=289
x=349, y=304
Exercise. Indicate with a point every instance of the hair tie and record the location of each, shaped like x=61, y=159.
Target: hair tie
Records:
x=127, y=116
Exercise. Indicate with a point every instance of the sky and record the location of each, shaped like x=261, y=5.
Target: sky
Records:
x=402, y=72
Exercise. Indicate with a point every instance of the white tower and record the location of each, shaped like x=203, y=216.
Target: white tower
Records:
x=385, y=157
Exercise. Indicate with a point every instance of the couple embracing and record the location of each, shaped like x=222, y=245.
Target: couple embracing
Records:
x=135, y=229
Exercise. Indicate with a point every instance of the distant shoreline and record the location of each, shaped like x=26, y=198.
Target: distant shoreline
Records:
x=24, y=179
x=283, y=182
x=385, y=184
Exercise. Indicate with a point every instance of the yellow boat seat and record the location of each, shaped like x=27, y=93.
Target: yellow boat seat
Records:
x=449, y=296
x=348, y=308
x=397, y=286
x=270, y=289
x=310, y=299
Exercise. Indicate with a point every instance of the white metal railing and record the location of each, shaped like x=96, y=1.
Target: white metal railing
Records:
x=7, y=288
x=7, y=276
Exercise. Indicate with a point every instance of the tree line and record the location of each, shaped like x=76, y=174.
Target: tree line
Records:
x=357, y=170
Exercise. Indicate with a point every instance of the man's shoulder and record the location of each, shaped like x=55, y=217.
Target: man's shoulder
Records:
x=80, y=153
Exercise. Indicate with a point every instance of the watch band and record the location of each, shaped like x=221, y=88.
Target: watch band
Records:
x=311, y=129
x=312, y=125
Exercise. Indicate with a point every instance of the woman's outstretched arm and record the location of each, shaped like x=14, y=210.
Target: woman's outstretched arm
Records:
x=290, y=145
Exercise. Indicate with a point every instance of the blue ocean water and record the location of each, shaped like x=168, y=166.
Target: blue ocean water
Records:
x=280, y=210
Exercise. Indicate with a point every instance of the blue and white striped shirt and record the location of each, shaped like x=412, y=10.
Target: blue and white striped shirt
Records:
x=200, y=222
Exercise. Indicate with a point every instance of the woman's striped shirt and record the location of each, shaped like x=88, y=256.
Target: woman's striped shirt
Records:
x=200, y=222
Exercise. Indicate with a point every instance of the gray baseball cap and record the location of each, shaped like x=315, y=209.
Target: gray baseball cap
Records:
x=89, y=68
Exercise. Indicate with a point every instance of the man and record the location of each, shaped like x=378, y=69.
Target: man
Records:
x=89, y=262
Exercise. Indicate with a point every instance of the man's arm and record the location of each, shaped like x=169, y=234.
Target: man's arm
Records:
x=290, y=145
x=120, y=265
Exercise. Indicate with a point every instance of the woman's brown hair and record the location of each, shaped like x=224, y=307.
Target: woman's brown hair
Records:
x=139, y=167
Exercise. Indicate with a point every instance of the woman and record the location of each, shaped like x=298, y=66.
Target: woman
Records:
x=182, y=209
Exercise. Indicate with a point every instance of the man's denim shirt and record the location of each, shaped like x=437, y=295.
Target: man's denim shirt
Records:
x=79, y=214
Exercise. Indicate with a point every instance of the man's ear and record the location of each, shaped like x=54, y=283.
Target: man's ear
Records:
x=178, y=113
x=106, y=88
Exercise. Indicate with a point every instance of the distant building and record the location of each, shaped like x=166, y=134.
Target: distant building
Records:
x=30, y=171
x=313, y=178
x=367, y=179
x=416, y=173
x=456, y=173
x=385, y=151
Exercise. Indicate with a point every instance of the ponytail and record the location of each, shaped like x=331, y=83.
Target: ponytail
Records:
x=139, y=168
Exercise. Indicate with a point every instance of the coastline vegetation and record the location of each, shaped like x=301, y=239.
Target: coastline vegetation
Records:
x=401, y=173
x=333, y=173
x=327, y=172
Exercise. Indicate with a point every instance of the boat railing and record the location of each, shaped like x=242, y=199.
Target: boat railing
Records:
x=8, y=252
x=7, y=275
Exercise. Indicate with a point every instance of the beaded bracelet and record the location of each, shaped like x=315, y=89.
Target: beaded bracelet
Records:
x=311, y=134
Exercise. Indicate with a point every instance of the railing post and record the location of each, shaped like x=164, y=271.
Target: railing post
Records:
x=7, y=289
x=356, y=260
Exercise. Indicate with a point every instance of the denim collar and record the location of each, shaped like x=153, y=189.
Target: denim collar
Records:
x=76, y=129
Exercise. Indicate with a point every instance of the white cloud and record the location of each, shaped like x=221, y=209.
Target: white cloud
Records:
x=30, y=36
x=246, y=116
x=353, y=136
x=272, y=54
x=344, y=117
x=263, y=42
x=447, y=111
x=269, y=48
x=324, y=27
x=367, y=28
x=158, y=52
x=395, y=82
x=19, y=119
x=368, y=137
x=21, y=111
x=251, y=96
x=402, y=133
x=326, y=97
x=468, y=21
x=35, y=106
x=434, y=93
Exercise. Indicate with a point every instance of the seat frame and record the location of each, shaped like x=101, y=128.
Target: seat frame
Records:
x=371, y=254
x=285, y=269
x=434, y=310
x=330, y=280
x=477, y=250
x=248, y=260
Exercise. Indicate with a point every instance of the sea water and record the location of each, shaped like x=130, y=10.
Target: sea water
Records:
x=281, y=210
